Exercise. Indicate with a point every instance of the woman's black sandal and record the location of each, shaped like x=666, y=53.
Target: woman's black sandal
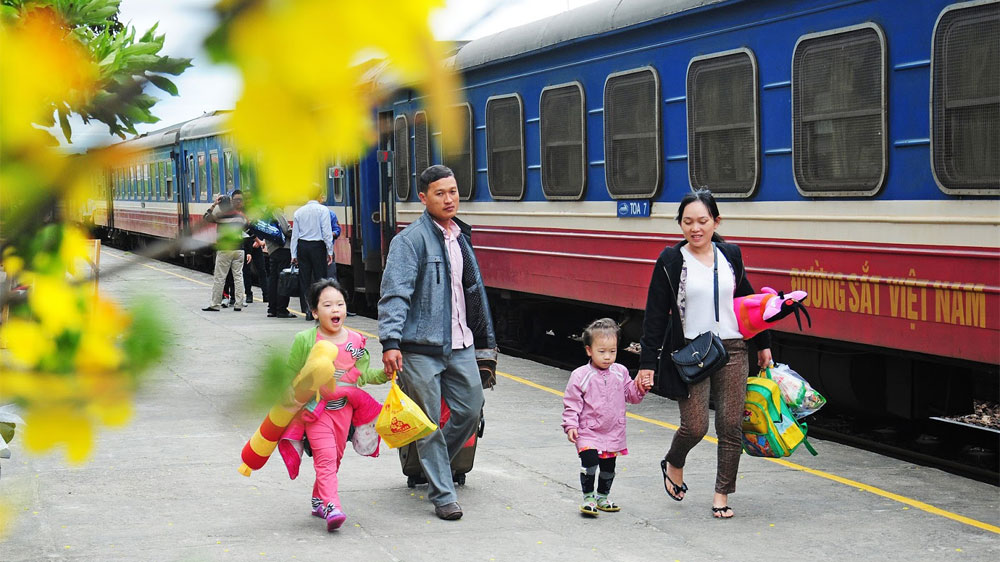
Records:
x=717, y=512
x=683, y=488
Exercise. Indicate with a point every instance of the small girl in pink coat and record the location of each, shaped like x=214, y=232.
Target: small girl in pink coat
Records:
x=594, y=413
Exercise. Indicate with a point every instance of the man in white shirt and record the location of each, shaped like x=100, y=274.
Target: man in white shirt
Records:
x=312, y=247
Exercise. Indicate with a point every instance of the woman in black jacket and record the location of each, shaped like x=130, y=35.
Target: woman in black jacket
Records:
x=679, y=306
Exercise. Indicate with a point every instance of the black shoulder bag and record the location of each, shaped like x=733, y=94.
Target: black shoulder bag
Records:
x=705, y=354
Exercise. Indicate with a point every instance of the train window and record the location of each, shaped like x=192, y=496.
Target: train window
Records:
x=161, y=186
x=169, y=177
x=421, y=143
x=190, y=177
x=838, y=111
x=152, y=186
x=202, y=177
x=132, y=185
x=243, y=165
x=401, y=157
x=965, y=99
x=505, y=146
x=216, y=178
x=723, y=129
x=337, y=176
x=633, y=145
x=227, y=163
x=562, y=125
x=458, y=155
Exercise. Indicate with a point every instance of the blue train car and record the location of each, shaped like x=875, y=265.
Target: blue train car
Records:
x=853, y=145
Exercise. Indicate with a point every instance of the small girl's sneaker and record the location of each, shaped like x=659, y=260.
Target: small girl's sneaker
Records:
x=589, y=506
x=604, y=504
x=334, y=519
x=318, y=510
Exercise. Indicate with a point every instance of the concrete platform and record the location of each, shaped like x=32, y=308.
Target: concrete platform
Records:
x=166, y=486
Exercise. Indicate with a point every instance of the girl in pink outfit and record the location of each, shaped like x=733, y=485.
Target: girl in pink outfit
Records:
x=594, y=413
x=327, y=420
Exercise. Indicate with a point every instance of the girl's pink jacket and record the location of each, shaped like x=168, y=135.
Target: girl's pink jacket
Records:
x=594, y=405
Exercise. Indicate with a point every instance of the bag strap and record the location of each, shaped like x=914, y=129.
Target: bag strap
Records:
x=715, y=275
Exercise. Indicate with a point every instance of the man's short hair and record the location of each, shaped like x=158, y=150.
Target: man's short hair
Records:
x=433, y=174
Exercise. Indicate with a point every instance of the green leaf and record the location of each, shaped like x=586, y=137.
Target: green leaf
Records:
x=272, y=381
x=144, y=48
x=148, y=36
x=217, y=45
x=162, y=83
x=137, y=63
x=144, y=101
x=146, y=338
x=170, y=65
x=48, y=120
x=66, y=129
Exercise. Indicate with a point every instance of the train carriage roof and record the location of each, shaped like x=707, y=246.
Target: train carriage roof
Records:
x=590, y=20
x=207, y=125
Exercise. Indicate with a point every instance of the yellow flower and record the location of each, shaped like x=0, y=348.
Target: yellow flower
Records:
x=313, y=86
x=55, y=303
x=98, y=354
x=26, y=341
x=30, y=387
x=12, y=264
x=39, y=46
x=115, y=413
x=74, y=250
x=46, y=427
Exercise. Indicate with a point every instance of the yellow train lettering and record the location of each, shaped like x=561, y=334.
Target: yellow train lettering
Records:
x=909, y=298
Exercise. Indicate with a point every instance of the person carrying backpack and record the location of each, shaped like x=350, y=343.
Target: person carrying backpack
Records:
x=681, y=304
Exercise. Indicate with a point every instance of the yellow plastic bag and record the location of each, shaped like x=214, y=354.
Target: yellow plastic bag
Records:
x=401, y=421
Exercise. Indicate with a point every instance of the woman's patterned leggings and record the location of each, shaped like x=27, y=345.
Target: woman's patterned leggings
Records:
x=728, y=392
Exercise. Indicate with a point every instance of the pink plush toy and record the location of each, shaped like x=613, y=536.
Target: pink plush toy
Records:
x=755, y=312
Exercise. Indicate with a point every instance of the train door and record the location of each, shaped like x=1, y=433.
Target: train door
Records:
x=185, y=189
x=109, y=199
x=387, y=192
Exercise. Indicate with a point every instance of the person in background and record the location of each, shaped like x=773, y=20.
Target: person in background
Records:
x=227, y=213
x=312, y=247
x=280, y=256
x=331, y=270
x=253, y=271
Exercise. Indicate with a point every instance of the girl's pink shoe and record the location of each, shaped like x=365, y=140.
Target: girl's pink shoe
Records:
x=334, y=519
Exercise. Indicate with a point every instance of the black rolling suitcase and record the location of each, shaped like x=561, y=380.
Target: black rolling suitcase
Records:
x=460, y=465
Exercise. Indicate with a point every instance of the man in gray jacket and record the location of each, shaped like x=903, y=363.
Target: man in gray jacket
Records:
x=433, y=314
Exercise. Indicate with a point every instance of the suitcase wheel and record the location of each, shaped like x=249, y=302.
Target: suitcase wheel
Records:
x=411, y=482
x=460, y=479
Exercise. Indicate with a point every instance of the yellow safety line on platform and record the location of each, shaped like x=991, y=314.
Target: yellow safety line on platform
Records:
x=162, y=270
x=788, y=464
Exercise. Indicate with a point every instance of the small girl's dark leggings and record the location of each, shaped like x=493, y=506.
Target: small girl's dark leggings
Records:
x=728, y=389
x=590, y=460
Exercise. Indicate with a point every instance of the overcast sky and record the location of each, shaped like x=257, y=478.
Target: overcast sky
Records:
x=206, y=87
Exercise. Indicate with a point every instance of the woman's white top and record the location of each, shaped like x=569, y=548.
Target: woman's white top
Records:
x=698, y=314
